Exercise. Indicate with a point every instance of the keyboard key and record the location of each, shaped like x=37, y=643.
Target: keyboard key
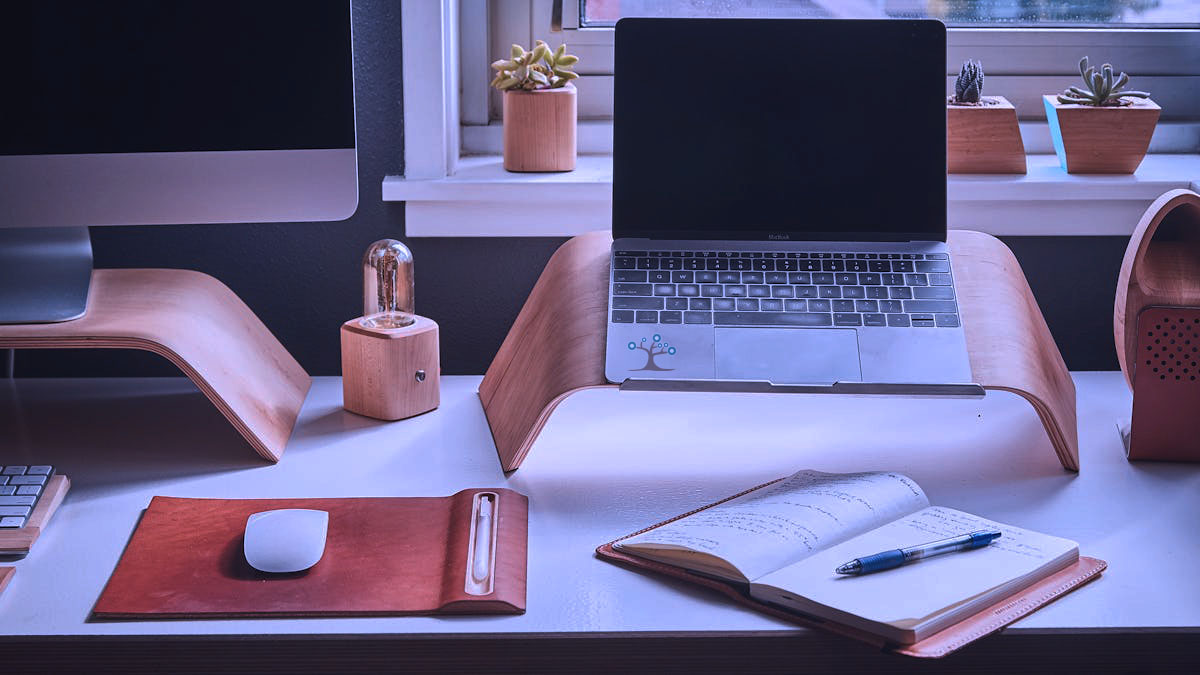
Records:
x=809, y=265
x=853, y=292
x=12, y=522
x=866, y=305
x=847, y=320
x=747, y=305
x=856, y=265
x=932, y=266
x=830, y=291
x=704, y=304
x=6, y=490
x=682, y=277
x=913, y=256
x=845, y=279
x=843, y=305
x=729, y=277
x=902, y=266
x=724, y=303
x=916, y=280
x=14, y=470
x=712, y=290
x=670, y=317
x=901, y=293
x=752, y=277
x=704, y=277
x=874, y=320
x=891, y=307
x=693, y=263
x=776, y=277
x=879, y=266
x=27, y=480
x=620, y=302
x=933, y=293
x=946, y=320
x=822, y=279
x=893, y=279
x=771, y=319
x=629, y=275
x=631, y=253
x=819, y=306
x=647, y=317
x=877, y=292
x=20, y=511
x=622, y=316
x=804, y=291
x=647, y=263
x=675, y=303
x=36, y=489
x=760, y=291
x=697, y=317
x=781, y=292
x=771, y=305
x=716, y=264
x=764, y=265
x=660, y=277
x=670, y=264
x=631, y=289
x=735, y=291
x=664, y=289
x=933, y=306
x=795, y=305
x=799, y=278
x=739, y=264
x=833, y=266
x=624, y=263
x=869, y=279
x=939, y=280
x=17, y=500
x=936, y=256
x=786, y=265
x=898, y=320
x=921, y=320
x=688, y=290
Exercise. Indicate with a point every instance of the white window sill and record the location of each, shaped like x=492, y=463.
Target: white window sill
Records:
x=483, y=200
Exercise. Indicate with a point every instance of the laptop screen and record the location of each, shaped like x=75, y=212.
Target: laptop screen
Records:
x=791, y=129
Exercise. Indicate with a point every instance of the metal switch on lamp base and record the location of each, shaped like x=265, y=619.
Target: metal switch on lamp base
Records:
x=390, y=355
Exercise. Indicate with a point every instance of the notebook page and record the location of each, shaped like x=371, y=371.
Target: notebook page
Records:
x=912, y=594
x=781, y=523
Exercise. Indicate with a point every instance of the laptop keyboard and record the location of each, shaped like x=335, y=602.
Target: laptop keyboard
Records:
x=738, y=288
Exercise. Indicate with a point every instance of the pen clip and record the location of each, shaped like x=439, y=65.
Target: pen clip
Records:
x=481, y=548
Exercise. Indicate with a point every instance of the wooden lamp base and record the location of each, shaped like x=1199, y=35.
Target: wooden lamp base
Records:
x=390, y=374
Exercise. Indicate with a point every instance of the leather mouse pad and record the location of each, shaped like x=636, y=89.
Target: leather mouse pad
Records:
x=383, y=556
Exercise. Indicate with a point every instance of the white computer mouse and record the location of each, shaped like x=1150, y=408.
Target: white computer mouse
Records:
x=285, y=540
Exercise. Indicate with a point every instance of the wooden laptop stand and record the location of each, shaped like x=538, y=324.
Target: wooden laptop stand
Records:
x=556, y=346
x=202, y=327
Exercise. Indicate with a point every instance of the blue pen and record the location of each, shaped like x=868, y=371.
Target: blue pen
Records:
x=899, y=556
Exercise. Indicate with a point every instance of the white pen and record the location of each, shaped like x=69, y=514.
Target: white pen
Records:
x=480, y=569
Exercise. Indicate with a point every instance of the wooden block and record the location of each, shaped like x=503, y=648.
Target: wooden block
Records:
x=1161, y=268
x=556, y=346
x=1101, y=139
x=18, y=542
x=390, y=374
x=198, y=324
x=539, y=129
x=6, y=575
x=984, y=138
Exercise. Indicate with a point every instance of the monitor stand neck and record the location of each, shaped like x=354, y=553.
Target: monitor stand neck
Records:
x=45, y=273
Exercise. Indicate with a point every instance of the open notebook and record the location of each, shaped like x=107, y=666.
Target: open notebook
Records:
x=780, y=544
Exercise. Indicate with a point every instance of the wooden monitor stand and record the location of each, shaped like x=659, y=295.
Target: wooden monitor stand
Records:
x=202, y=327
x=556, y=346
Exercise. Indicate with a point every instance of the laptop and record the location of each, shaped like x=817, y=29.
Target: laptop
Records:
x=779, y=208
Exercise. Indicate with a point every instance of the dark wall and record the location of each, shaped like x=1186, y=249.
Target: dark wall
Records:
x=302, y=279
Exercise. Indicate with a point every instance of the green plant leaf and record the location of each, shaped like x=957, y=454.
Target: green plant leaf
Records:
x=502, y=65
x=566, y=60
x=566, y=74
x=517, y=51
x=539, y=52
x=562, y=49
x=538, y=77
x=1083, y=67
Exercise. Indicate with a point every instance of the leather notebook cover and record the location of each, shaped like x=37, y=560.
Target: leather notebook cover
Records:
x=1166, y=385
x=985, y=622
x=383, y=556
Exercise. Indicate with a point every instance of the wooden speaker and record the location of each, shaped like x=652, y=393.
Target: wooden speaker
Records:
x=1156, y=327
x=390, y=373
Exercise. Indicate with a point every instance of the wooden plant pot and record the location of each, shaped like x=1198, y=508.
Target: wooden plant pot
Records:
x=984, y=138
x=1156, y=326
x=539, y=129
x=1090, y=139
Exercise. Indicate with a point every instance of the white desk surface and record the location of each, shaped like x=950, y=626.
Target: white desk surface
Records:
x=607, y=464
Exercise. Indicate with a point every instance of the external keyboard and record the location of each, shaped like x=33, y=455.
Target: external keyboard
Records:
x=738, y=288
x=20, y=489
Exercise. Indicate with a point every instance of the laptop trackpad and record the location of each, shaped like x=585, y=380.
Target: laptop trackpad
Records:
x=788, y=355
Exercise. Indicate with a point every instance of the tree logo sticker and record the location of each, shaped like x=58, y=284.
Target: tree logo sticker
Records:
x=653, y=347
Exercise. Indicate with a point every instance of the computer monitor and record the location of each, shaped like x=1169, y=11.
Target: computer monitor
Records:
x=150, y=112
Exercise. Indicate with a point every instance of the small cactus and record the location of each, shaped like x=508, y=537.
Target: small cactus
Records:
x=538, y=68
x=968, y=87
x=1103, y=88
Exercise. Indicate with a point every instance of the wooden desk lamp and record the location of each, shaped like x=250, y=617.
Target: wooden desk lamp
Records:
x=390, y=355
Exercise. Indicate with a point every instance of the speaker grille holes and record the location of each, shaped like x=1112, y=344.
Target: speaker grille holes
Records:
x=1176, y=342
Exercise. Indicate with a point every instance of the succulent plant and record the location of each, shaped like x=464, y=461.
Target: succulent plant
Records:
x=1103, y=88
x=968, y=87
x=538, y=68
